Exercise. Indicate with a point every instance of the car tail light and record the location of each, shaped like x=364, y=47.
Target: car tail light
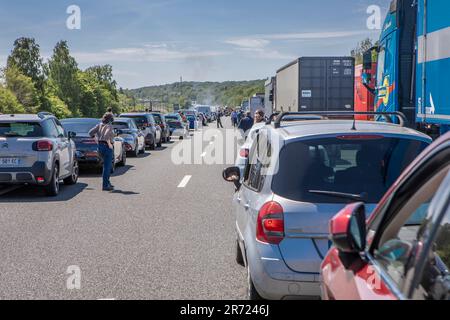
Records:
x=162, y=126
x=43, y=145
x=91, y=154
x=40, y=179
x=244, y=153
x=361, y=137
x=270, y=224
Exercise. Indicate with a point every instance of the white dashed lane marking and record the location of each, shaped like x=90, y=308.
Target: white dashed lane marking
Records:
x=184, y=182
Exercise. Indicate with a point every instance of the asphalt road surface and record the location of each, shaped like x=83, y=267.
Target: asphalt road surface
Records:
x=166, y=233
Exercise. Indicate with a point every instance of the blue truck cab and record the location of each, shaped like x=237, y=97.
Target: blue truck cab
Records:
x=413, y=64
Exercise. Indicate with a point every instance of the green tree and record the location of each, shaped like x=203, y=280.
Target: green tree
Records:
x=22, y=87
x=362, y=47
x=62, y=71
x=9, y=102
x=26, y=57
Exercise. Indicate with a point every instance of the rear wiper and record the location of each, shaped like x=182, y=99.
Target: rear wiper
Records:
x=357, y=197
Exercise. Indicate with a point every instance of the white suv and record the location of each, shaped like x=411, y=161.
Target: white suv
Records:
x=36, y=150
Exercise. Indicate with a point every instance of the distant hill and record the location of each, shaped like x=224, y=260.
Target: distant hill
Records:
x=230, y=93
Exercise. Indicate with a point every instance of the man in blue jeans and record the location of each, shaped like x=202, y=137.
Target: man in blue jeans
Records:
x=104, y=132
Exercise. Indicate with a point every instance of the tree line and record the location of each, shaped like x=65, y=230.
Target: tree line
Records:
x=30, y=85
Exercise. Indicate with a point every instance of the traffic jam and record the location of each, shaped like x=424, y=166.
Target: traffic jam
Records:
x=337, y=187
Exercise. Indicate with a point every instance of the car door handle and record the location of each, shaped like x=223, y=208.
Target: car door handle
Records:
x=247, y=206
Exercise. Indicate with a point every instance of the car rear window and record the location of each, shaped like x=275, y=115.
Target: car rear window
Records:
x=120, y=125
x=353, y=166
x=79, y=127
x=139, y=120
x=174, y=124
x=157, y=118
x=20, y=129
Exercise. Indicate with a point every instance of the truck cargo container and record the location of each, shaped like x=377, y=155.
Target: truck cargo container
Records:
x=316, y=84
x=413, y=73
x=269, y=97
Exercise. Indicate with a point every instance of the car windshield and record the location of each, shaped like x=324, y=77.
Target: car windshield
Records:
x=79, y=128
x=315, y=170
x=20, y=129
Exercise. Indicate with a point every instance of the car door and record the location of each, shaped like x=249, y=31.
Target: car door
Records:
x=64, y=150
x=395, y=245
x=139, y=134
x=250, y=197
x=431, y=277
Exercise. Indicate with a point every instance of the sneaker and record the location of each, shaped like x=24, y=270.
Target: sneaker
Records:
x=110, y=188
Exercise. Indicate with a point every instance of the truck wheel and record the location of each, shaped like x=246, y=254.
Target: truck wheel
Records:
x=74, y=176
x=52, y=190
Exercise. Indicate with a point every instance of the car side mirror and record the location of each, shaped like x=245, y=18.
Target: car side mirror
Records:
x=232, y=174
x=71, y=134
x=348, y=229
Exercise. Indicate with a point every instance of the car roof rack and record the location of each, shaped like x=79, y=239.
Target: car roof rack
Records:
x=339, y=114
x=44, y=114
x=301, y=117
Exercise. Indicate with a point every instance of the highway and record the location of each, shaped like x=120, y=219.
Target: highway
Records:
x=167, y=232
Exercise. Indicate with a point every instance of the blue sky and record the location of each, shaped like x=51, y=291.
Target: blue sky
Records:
x=156, y=41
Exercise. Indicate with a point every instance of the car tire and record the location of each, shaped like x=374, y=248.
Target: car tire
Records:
x=252, y=294
x=136, y=151
x=181, y=138
x=73, y=179
x=52, y=190
x=123, y=160
x=239, y=256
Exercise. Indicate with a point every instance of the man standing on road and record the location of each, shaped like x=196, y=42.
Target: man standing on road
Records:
x=104, y=133
x=234, y=118
x=219, y=120
x=246, y=123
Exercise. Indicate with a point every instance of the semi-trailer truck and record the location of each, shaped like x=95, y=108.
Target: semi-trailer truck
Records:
x=413, y=64
x=316, y=84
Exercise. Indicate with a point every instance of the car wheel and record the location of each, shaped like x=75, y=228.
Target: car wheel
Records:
x=181, y=137
x=123, y=160
x=52, y=190
x=75, y=173
x=239, y=256
x=251, y=290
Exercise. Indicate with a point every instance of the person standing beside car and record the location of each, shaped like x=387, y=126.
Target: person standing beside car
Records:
x=104, y=133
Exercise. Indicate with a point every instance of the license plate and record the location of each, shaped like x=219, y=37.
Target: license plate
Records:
x=9, y=161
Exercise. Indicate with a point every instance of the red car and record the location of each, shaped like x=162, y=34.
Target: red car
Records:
x=403, y=250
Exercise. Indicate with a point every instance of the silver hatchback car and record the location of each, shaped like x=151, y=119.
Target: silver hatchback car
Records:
x=299, y=175
x=36, y=150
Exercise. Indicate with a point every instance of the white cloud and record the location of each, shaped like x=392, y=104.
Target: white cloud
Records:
x=313, y=35
x=147, y=53
x=248, y=42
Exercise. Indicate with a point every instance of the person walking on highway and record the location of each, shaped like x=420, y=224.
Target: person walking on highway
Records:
x=104, y=133
x=219, y=120
x=246, y=124
x=259, y=116
x=234, y=118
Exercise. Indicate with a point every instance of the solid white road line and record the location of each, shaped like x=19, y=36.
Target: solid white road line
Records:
x=184, y=182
